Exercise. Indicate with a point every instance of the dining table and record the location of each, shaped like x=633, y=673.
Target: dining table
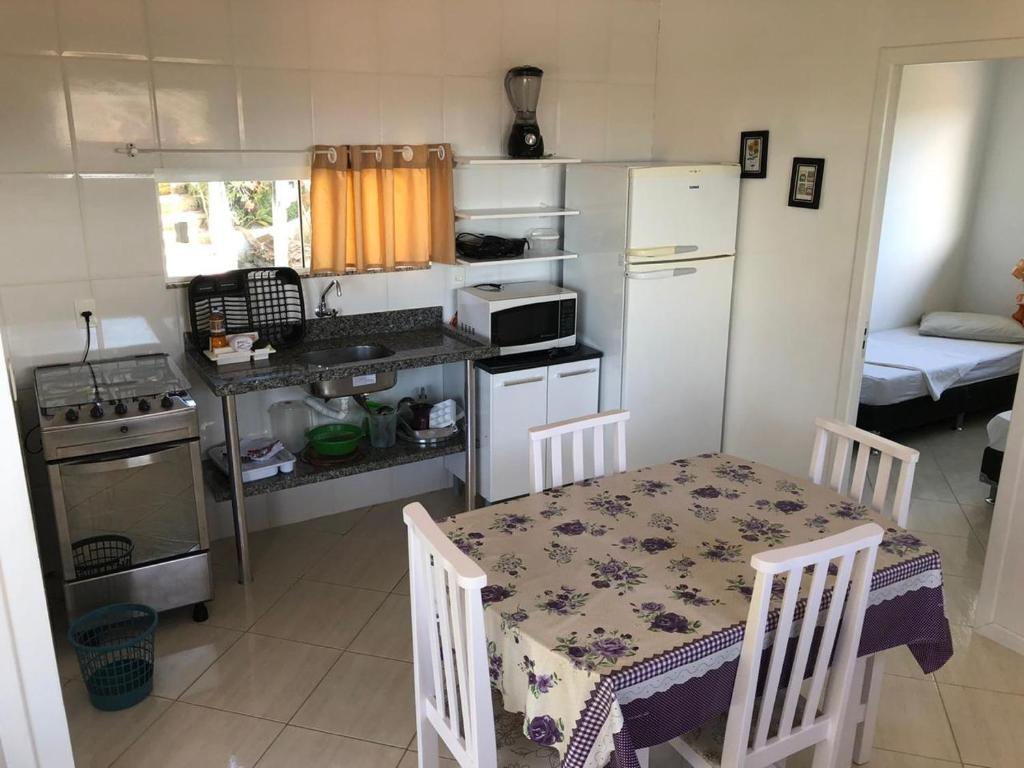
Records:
x=615, y=607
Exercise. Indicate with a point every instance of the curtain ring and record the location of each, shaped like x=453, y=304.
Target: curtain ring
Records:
x=379, y=154
x=407, y=153
x=332, y=155
x=440, y=151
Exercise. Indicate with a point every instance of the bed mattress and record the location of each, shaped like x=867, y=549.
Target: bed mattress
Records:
x=998, y=428
x=884, y=385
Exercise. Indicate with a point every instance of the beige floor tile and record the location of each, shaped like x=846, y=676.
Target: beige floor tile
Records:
x=370, y=563
x=929, y=482
x=389, y=632
x=980, y=518
x=946, y=517
x=961, y=597
x=410, y=761
x=262, y=676
x=238, y=606
x=911, y=719
x=382, y=520
x=184, y=650
x=312, y=749
x=981, y=663
x=340, y=523
x=365, y=697
x=880, y=758
x=320, y=613
x=989, y=726
x=99, y=737
x=901, y=662
x=402, y=588
x=278, y=553
x=196, y=737
x=961, y=555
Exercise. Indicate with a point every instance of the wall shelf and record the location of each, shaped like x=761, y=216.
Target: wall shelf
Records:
x=526, y=258
x=477, y=214
x=498, y=160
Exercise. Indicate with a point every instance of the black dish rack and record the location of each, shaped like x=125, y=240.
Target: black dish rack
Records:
x=267, y=300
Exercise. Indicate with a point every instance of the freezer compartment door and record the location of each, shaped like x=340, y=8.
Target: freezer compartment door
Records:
x=676, y=344
x=682, y=212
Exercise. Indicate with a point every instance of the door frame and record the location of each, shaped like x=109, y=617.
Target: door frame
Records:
x=891, y=62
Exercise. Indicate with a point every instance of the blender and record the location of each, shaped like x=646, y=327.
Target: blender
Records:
x=522, y=85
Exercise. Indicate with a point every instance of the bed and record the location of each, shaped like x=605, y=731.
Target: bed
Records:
x=912, y=380
x=992, y=458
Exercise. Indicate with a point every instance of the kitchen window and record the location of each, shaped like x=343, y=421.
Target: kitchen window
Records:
x=212, y=226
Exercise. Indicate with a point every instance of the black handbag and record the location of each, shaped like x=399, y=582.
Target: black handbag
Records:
x=474, y=246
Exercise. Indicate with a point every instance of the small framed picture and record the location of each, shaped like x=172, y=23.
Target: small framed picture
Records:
x=753, y=154
x=805, y=183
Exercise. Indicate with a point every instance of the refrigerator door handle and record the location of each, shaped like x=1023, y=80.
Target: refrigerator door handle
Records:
x=660, y=251
x=661, y=274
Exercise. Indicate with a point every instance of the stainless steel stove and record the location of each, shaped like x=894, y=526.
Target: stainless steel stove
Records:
x=121, y=441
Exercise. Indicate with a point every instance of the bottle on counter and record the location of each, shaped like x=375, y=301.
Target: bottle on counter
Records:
x=218, y=331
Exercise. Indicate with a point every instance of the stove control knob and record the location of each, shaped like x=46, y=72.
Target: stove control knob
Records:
x=96, y=411
x=72, y=414
x=144, y=405
x=120, y=409
x=166, y=402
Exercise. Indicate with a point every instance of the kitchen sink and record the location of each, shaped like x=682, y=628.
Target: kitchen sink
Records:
x=349, y=385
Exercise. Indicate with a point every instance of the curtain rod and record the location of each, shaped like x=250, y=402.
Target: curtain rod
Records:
x=332, y=155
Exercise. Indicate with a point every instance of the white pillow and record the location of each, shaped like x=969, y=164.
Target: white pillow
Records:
x=971, y=325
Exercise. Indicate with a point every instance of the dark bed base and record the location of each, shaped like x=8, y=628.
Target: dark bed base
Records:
x=991, y=466
x=991, y=395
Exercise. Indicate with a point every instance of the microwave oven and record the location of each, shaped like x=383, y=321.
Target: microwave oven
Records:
x=519, y=317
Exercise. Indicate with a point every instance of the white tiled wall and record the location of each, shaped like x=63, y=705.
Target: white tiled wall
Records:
x=81, y=77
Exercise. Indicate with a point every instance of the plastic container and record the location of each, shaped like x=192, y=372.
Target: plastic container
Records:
x=383, y=427
x=114, y=645
x=335, y=439
x=543, y=240
x=290, y=420
x=98, y=555
x=253, y=469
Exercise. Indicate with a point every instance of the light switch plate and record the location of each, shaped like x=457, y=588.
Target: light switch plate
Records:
x=85, y=305
x=459, y=276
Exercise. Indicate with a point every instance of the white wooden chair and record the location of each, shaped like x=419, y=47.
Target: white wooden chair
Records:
x=552, y=434
x=850, y=443
x=451, y=682
x=782, y=727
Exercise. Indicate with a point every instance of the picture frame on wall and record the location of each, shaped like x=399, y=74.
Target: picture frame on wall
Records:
x=806, y=181
x=753, y=154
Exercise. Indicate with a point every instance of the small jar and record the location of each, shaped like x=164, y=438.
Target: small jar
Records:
x=218, y=332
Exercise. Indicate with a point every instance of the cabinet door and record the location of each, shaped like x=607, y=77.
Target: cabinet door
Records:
x=518, y=401
x=572, y=392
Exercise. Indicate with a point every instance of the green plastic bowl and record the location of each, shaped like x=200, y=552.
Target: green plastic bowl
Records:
x=335, y=439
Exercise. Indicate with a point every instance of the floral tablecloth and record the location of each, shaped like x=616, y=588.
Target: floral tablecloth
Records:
x=615, y=607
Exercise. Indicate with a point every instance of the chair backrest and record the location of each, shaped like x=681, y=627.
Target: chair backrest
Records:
x=777, y=733
x=553, y=435
x=452, y=687
x=849, y=444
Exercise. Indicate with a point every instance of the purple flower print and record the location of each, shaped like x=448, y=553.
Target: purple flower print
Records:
x=660, y=620
x=600, y=648
x=900, y=543
x=570, y=528
x=494, y=665
x=495, y=593
x=662, y=521
x=848, y=510
x=553, y=509
x=510, y=564
x=538, y=684
x=758, y=529
x=510, y=621
x=720, y=551
x=612, y=506
x=651, y=488
x=512, y=523
x=818, y=522
x=468, y=543
x=704, y=512
x=741, y=587
x=788, y=486
x=564, y=602
x=544, y=730
x=651, y=545
x=652, y=607
x=615, y=573
x=682, y=566
x=711, y=492
x=789, y=506
x=610, y=648
x=692, y=596
x=737, y=473
x=560, y=553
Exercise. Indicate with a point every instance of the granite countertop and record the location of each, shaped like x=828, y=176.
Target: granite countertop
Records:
x=418, y=337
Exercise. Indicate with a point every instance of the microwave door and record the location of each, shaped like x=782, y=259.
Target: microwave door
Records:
x=525, y=328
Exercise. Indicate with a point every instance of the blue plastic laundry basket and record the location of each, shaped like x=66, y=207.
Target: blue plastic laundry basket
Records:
x=115, y=652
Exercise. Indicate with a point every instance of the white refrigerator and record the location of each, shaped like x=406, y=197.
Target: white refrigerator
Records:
x=656, y=245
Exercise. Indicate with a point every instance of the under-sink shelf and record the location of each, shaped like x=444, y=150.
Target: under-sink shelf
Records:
x=476, y=214
x=525, y=258
x=368, y=460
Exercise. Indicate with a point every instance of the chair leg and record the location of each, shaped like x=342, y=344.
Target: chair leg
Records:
x=643, y=756
x=428, y=754
x=865, y=738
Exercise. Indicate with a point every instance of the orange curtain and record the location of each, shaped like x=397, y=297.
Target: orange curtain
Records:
x=374, y=210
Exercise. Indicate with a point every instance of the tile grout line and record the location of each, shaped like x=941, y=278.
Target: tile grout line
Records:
x=949, y=722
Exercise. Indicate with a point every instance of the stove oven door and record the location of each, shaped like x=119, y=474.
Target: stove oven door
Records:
x=126, y=509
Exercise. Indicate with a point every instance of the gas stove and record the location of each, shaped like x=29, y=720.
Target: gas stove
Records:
x=83, y=407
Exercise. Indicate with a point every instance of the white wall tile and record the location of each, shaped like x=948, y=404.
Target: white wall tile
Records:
x=411, y=109
x=196, y=105
x=529, y=34
x=102, y=26
x=136, y=315
x=472, y=37
x=42, y=230
x=415, y=288
x=633, y=56
x=41, y=329
x=269, y=33
x=276, y=109
x=122, y=227
x=111, y=106
x=343, y=35
x=28, y=26
x=630, y=122
x=411, y=37
x=583, y=39
x=477, y=187
x=197, y=30
x=473, y=108
x=582, y=110
x=359, y=294
x=34, y=134
x=346, y=108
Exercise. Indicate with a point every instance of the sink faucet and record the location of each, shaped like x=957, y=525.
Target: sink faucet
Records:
x=321, y=309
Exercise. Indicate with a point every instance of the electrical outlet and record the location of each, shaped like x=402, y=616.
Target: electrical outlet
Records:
x=459, y=276
x=85, y=305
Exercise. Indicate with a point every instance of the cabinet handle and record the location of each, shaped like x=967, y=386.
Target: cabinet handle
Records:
x=531, y=380
x=576, y=373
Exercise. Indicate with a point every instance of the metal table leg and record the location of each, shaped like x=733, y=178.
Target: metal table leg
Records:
x=237, y=489
x=470, y=435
